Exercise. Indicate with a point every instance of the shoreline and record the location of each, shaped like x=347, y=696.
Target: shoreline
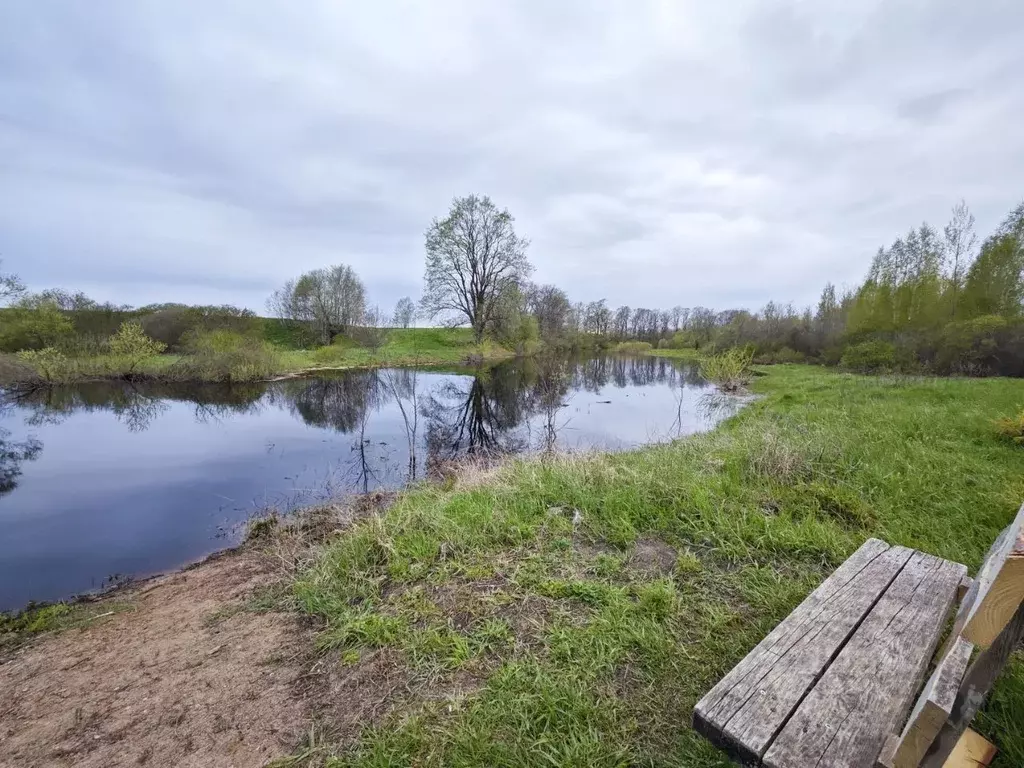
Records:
x=450, y=616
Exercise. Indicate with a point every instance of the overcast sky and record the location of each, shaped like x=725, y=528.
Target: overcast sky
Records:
x=655, y=153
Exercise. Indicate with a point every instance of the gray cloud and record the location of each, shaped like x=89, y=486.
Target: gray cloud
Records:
x=655, y=153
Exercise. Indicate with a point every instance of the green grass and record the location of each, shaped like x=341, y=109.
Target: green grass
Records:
x=408, y=346
x=17, y=629
x=411, y=346
x=596, y=599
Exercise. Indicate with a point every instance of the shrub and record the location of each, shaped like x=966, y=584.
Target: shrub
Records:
x=34, y=327
x=51, y=364
x=1012, y=428
x=730, y=370
x=786, y=355
x=132, y=345
x=986, y=345
x=869, y=357
x=16, y=372
x=172, y=324
x=227, y=356
x=632, y=347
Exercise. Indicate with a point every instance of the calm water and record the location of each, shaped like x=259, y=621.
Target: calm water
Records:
x=103, y=482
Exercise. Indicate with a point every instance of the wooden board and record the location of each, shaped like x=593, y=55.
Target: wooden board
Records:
x=748, y=707
x=978, y=681
x=933, y=706
x=865, y=693
x=972, y=751
x=997, y=590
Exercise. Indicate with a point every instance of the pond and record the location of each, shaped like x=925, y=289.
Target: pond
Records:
x=109, y=481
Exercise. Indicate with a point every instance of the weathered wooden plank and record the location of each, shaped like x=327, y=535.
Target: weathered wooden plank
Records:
x=998, y=588
x=933, y=706
x=972, y=751
x=744, y=712
x=863, y=695
x=978, y=681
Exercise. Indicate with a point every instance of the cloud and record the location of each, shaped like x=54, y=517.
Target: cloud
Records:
x=655, y=153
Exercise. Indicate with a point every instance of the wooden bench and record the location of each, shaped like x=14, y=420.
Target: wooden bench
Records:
x=832, y=685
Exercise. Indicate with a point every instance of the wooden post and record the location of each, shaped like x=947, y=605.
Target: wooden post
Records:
x=976, y=686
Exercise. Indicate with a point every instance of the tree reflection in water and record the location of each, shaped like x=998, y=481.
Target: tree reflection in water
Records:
x=443, y=416
x=12, y=454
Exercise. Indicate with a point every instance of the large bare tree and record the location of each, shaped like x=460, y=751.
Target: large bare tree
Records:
x=331, y=300
x=473, y=257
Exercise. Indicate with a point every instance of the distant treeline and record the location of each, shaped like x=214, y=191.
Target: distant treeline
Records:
x=76, y=324
x=932, y=301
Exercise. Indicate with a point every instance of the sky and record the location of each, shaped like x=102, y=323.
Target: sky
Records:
x=655, y=153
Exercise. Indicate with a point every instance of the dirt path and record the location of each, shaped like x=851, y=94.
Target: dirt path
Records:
x=180, y=678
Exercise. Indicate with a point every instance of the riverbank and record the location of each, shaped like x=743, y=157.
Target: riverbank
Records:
x=572, y=610
x=242, y=360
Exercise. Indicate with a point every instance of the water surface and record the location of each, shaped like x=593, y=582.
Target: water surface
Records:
x=103, y=482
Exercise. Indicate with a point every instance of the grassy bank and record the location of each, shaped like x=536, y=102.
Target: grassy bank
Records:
x=571, y=612
x=225, y=356
x=404, y=346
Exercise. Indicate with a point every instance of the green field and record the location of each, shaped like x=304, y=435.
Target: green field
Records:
x=572, y=611
x=274, y=352
x=404, y=346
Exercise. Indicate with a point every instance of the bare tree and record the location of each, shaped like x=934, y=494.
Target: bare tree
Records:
x=372, y=333
x=11, y=286
x=473, y=257
x=960, y=241
x=405, y=313
x=332, y=300
x=550, y=305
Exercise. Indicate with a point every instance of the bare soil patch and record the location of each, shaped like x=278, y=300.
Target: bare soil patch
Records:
x=653, y=557
x=184, y=678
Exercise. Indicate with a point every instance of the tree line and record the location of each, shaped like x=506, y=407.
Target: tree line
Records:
x=934, y=300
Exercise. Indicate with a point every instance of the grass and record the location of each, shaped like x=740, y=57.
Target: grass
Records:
x=631, y=348
x=17, y=629
x=410, y=346
x=594, y=599
x=404, y=346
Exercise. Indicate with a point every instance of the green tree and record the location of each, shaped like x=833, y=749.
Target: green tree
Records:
x=474, y=256
x=34, y=325
x=133, y=345
x=993, y=285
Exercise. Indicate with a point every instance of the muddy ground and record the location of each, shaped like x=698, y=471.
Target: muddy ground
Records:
x=177, y=673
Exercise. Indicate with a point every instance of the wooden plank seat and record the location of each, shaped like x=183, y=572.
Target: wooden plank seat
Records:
x=832, y=685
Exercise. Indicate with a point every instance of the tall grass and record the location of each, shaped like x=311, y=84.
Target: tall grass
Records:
x=730, y=370
x=1011, y=427
x=227, y=356
x=632, y=347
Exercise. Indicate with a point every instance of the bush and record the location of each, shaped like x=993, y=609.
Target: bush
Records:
x=132, y=345
x=51, y=364
x=173, y=324
x=34, y=327
x=985, y=346
x=227, y=356
x=869, y=357
x=632, y=347
x=1012, y=428
x=730, y=370
x=16, y=372
x=781, y=356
